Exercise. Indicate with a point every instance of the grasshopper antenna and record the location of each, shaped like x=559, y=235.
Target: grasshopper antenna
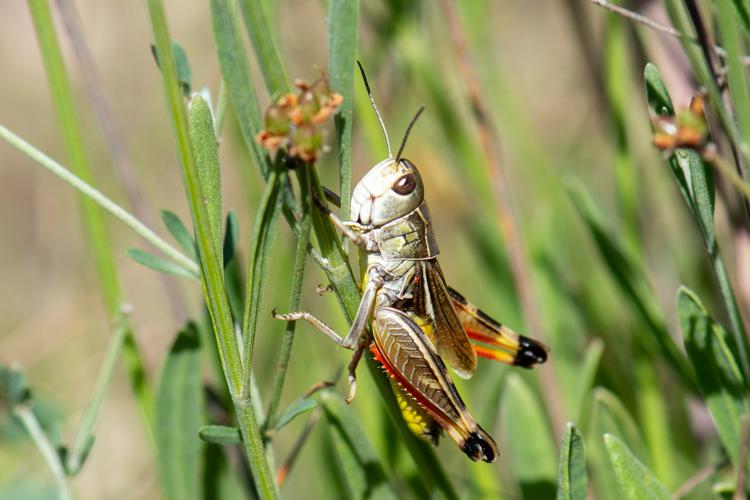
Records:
x=375, y=107
x=408, y=130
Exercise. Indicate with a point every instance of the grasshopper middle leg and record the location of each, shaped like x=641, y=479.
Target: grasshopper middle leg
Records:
x=356, y=338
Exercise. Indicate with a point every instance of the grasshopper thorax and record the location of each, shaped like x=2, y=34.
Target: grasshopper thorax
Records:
x=391, y=189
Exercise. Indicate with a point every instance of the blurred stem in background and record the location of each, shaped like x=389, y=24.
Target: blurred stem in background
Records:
x=114, y=138
x=103, y=258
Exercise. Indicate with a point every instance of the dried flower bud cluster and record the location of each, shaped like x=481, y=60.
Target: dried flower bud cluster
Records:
x=294, y=121
x=687, y=130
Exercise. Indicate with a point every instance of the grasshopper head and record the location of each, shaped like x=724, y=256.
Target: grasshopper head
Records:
x=391, y=189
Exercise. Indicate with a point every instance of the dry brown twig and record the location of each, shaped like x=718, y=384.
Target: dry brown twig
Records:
x=657, y=26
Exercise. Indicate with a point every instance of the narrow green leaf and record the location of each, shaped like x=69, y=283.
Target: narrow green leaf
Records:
x=235, y=70
x=178, y=417
x=657, y=95
x=184, y=75
x=608, y=415
x=264, y=236
x=231, y=236
x=630, y=278
x=342, y=50
x=587, y=376
x=220, y=434
x=159, y=263
x=728, y=17
x=179, y=232
x=572, y=478
x=206, y=152
x=14, y=387
x=719, y=375
x=265, y=49
x=695, y=178
x=742, y=14
x=84, y=439
x=295, y=409
x=611, y=416
x=686, y=164
x=365, y=464
x=533, y=463
x=635, y=480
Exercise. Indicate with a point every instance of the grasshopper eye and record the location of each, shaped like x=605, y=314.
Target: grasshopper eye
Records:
x=405, y=184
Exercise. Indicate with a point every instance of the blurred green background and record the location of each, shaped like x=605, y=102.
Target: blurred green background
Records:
x=563, y=81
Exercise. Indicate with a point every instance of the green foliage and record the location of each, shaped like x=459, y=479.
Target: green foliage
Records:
x=617, y=372
x=360, y=465
x=159, y=263
x=533, y=463
x=572, y=478
x=342, y=50
x=220, y=434
x=724, y=389
x=634, y=479
x=178, y=404
x=297, y=408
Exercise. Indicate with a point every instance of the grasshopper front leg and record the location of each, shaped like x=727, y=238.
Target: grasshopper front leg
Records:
x=354, y=231
x=356, y=338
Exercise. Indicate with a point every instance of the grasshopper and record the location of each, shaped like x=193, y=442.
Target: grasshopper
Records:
x=419, y=324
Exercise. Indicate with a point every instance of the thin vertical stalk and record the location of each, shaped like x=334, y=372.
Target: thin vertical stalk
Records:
x=30, y=422
x=62, y=98
x=300, y=257
x=211, y=269
x=264, y=234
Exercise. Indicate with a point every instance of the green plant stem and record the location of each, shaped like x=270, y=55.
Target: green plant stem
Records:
x=675, y=9
x=42, y=442
x=222, y=101
x=725, y=285
x=725, y=16
x=342, y=49
x=300, y=257
x=264, y=234
x=271, y=67
x=62, y=97
x=212, y=272
x=730, y=173
x=85, y=435
x=100, y=199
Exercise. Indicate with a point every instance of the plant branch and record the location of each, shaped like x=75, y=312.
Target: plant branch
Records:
x=85, y=435
x=100, y=199
x=657, y=26
x=300, y=257
x=727, y=170
x=31, y=424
